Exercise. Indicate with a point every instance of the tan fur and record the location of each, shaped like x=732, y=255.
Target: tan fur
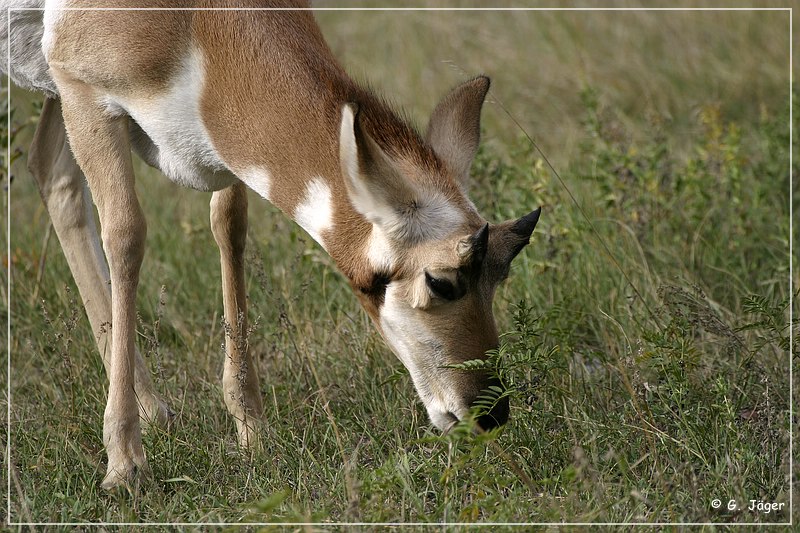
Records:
x=292, y=122
x=122, y=51
x=240, y=376
x=63, y=190
x=101, y=147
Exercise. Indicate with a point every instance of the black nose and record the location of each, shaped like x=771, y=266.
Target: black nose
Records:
x=496, y=417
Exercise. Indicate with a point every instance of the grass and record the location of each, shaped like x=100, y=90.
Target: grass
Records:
x=643, y=387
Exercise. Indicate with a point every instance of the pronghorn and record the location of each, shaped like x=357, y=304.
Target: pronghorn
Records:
x=222, y=100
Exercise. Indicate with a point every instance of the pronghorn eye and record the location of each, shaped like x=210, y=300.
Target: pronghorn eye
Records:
x=442, y=288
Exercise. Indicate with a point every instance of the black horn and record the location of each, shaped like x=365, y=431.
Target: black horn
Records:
x=523, y=229
x=473, y=249
x=524, y=226
x=509, y=238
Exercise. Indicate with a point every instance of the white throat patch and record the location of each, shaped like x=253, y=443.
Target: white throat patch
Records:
x=315, y=213
x=379, y=251
x=258, y=179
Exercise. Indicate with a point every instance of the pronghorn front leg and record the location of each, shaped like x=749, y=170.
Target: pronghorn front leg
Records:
x=102, y=148
x=63, y=190
x=240, y=376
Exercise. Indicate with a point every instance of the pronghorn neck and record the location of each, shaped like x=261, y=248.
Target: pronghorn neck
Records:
x=364, y=252
x=276, y=125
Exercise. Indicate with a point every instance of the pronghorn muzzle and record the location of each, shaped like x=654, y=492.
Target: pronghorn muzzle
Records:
x=498, y=415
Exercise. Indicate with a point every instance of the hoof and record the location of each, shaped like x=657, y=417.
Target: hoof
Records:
x=129, y=477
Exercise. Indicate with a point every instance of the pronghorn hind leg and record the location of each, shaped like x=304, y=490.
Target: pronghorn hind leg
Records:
x=101, y=146
x=240, y=376
x=62, y=187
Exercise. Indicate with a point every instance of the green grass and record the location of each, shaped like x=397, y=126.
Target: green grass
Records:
x=641, y=389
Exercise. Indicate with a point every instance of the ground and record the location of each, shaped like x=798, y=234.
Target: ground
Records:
x=646, y=328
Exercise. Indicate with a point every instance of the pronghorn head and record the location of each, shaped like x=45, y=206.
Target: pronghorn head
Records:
x=434, y=262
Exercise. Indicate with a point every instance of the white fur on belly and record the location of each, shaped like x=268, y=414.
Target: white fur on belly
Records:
x=173, y=122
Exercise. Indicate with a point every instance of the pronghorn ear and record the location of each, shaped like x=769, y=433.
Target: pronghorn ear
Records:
x=454, y=130
x=374, y=184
